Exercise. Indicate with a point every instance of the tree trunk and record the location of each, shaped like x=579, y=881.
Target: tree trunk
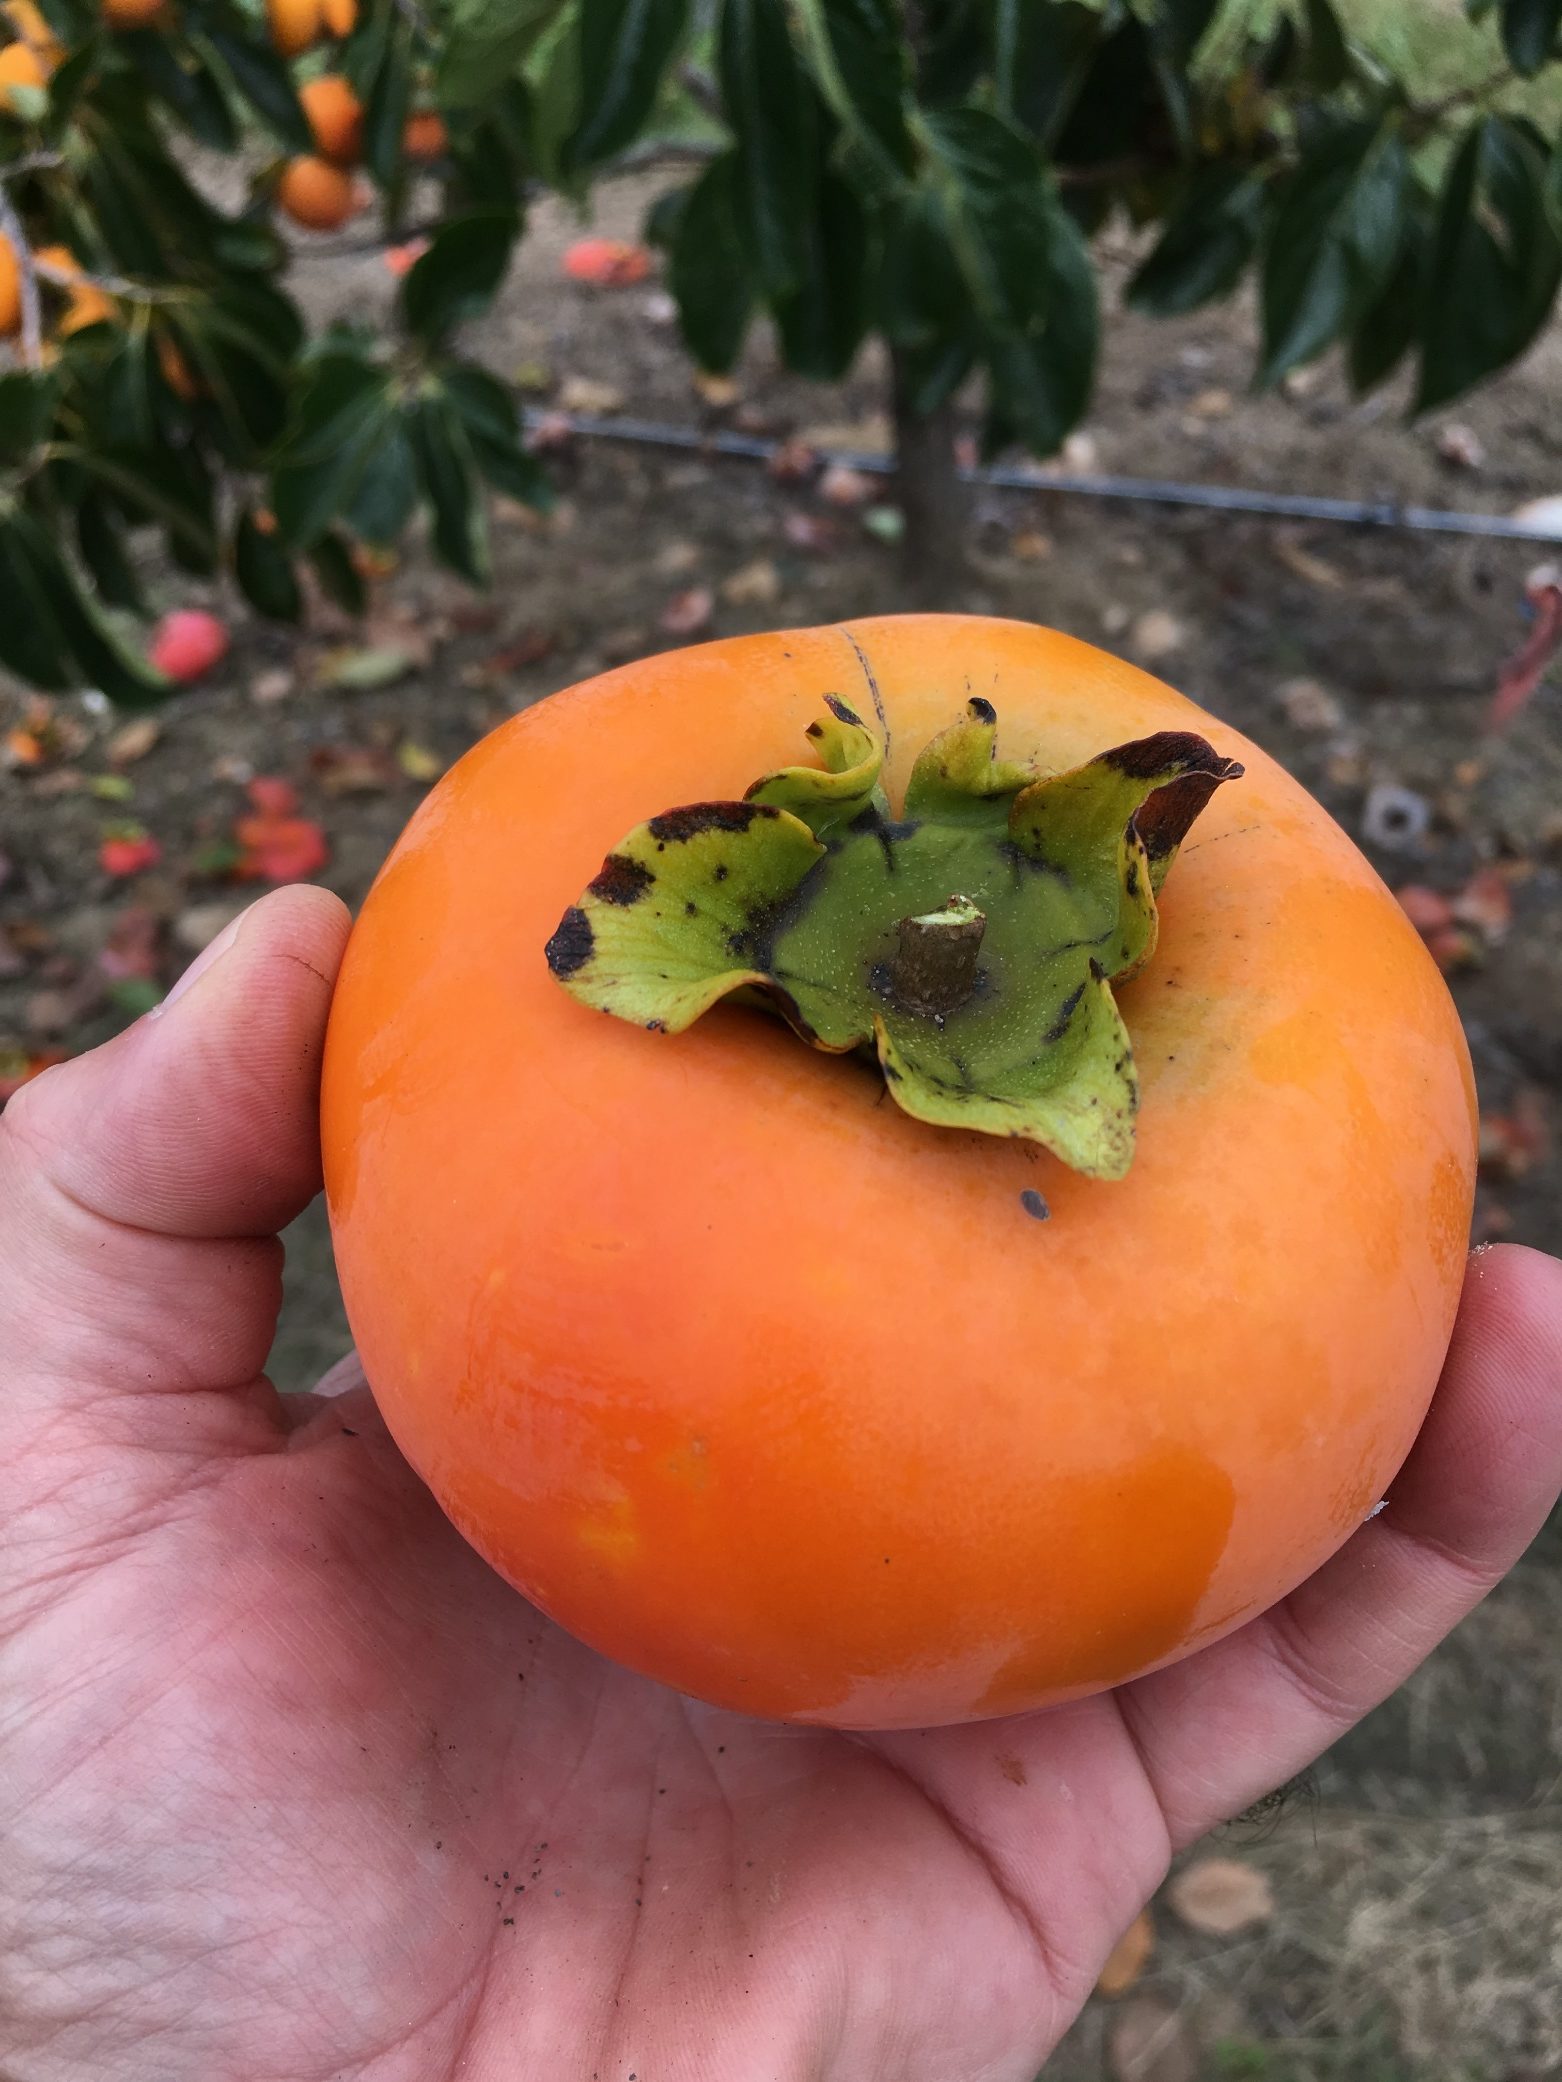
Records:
x=934, y=502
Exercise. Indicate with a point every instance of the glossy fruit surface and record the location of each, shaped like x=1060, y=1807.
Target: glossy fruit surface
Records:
x=804, y=1406
x=316, y=194
x=335, y=117
x=188, y=643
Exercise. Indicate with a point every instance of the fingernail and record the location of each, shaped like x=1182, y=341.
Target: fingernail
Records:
x=208, y=958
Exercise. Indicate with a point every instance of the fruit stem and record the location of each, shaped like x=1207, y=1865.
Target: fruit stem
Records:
x=934, y=970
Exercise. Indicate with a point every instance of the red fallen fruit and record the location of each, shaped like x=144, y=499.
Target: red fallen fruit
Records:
x=126, y=850
x=607, y=263
x=188, y=643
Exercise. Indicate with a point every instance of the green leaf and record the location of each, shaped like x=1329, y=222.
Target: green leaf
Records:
x=1326, y=65
x=31, y=644
x=861, y=61
x=339, y=577
x=770, y=103
x=999, y=213
x=1529, y=32
x=708, y=268
x=181, y=78
x=104, y=660
x=26, y=410
x=487, y=411
x=1040, y=381
x=342, y=416
x=1335, y=240
x=97, y=537
x=264, y=570
x=449, y=480
x=486, y=42
x=381, y=507
x=822, y=321
x=265, y=82
x=1043, y=52
x=624, y=48
x=386, y=105
x=1386, y=327
x=1495, y=262
x=460, y=273
x=1205, y=244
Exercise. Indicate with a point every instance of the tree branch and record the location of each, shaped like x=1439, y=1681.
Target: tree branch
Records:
x=12, y=231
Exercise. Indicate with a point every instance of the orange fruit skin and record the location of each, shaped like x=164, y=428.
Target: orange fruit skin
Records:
x=336, y=117
x=316, y=194
x=425, y=136
x=20, y=66
x=294, y=25
x=133, y=14
x=88, y=305
x=761, y=1387
x=30, y=24
x=10, y=290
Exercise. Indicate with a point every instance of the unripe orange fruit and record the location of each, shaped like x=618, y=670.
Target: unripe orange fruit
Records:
x=316, y=194
x=10, y=290
x=340, y=17
x=425, y=136
x=132, y=14
x=336, y=117
x=20, y=66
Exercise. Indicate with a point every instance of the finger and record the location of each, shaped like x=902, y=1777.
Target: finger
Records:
x=141, y=1185
x=1224, y=1727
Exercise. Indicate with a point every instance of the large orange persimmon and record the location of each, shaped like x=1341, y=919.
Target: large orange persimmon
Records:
x=805, y=1405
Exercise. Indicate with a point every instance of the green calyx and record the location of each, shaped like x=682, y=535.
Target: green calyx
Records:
x=972, y=942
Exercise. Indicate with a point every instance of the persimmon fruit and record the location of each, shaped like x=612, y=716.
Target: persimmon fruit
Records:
x=133, y=14
x=20, y=66
x=335, y=116
x=10, y=290
x=316, y=194
x=425, y=138
x=762, y=1384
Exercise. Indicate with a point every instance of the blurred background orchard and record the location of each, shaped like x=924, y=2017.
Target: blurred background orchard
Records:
x=370, y=369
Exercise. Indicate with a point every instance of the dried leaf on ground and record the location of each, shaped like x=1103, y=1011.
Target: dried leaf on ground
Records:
x=870, y=436
x=1221, y=1896
x=841, y=485
x=418, y=762
x=1316, y=570
x=719, y=392
x=753, y=585
x=689, y=612
x=1030, y=546
x=1148, y=2042
x=1461, y=446
x=818, y=533
x=1428, y=910
x=132, y=741
x=1514, y=1142
x=125, y=849
x=131, y=949
x=1524, y=671
x=1486, y=902
x=352, y=769
x=586, y=394
x=1308, y=705
x=362, y=667
x=266, y=689
x=794, y=462
x=1128, y=1957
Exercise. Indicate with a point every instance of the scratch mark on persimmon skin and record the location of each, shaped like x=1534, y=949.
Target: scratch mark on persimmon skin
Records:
x=873, y=688
x=1014, y=1771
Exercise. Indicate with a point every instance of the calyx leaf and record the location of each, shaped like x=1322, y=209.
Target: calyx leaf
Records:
x=972, y=942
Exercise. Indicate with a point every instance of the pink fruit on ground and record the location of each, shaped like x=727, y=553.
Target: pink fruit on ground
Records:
x=188, y=643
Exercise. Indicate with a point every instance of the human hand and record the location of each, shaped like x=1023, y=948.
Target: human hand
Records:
x=279, y=1755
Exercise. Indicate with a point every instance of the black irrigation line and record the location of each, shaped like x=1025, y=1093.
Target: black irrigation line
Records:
x=1155, y=491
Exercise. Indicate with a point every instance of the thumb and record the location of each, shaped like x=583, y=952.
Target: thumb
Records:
x=141, y=1185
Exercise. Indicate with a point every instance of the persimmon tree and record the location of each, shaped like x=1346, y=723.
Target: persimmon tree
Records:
x=930, y=172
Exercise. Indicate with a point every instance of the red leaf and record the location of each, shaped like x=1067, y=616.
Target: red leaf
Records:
x=1428, y=910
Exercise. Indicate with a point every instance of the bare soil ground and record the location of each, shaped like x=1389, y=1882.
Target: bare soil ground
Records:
x=1417, y=1930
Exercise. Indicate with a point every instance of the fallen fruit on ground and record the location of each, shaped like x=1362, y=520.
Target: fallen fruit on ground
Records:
x=188, y=643
x=335, y=118
x=316, y=194
x=1052, y=1285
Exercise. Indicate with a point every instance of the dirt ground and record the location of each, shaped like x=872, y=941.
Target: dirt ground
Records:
x=1417, y=1927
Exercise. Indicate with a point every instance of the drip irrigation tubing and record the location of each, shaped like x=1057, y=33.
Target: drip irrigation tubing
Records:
x=1153, y=491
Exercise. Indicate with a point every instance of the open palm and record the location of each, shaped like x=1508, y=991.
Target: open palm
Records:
x=293, y=1789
